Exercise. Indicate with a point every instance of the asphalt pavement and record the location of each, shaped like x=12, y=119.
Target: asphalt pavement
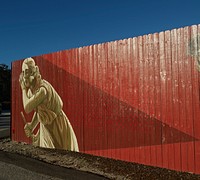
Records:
x=18, y=167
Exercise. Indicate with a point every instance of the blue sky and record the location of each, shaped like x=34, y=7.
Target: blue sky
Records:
x=35, y=27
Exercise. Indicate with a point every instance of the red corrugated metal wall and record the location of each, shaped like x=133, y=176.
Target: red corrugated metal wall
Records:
x=135, y=99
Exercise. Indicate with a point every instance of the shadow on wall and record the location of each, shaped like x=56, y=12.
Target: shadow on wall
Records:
x=101, y=121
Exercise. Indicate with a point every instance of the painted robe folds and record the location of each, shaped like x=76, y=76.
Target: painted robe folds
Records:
x=55, y=129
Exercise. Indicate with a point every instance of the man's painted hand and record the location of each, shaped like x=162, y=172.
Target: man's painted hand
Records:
x=21, y=81
x=28, y=129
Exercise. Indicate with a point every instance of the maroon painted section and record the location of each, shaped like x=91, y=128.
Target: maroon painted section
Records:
x=135, y=99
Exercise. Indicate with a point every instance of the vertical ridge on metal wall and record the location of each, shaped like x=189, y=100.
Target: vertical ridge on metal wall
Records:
x=195, y=30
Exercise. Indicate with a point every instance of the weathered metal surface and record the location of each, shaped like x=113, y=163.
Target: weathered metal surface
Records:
x=135, y=99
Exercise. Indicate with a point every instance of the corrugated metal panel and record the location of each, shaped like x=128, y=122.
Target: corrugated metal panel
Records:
x=135, y=99
x=195, y=96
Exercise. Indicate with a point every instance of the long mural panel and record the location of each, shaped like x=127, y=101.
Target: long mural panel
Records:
x=136, y=99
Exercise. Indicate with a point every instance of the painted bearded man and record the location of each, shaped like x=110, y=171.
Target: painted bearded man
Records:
x=39, y=96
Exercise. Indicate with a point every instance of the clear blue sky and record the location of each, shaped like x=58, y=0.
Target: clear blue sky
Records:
x=35, y=27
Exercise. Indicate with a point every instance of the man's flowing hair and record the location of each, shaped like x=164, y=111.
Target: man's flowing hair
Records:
x=35, y=72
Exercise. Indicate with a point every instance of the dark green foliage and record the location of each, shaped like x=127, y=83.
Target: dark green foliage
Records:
x=5, y=86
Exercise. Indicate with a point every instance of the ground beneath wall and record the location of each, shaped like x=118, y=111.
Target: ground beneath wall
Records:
x=110, y=168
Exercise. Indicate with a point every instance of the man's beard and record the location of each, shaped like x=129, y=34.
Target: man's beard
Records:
x=29, y=81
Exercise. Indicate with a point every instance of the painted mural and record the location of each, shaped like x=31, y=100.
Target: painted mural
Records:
x=136, y=99
x=38, y=95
